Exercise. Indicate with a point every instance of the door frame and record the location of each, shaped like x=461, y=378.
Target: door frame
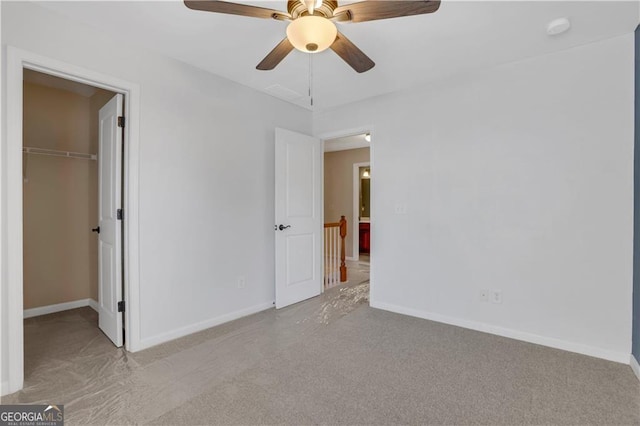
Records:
x=17, y=61
x=343, y=133
x=356, y=205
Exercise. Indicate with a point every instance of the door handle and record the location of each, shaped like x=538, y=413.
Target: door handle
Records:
x=97, y=230
x=282, y=227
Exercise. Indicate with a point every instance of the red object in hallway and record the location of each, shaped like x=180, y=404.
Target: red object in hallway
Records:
x=364, y=237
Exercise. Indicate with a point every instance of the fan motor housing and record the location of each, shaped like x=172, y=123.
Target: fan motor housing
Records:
x=296, y=8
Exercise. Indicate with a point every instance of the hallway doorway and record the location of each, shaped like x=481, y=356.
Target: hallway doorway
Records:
x=346, y=160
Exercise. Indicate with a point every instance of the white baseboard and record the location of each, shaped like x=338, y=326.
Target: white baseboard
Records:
x=194, y=328
x=94, y=305
x=50, y=309
x=635, y=366
x=5, y=388
x=551, y=342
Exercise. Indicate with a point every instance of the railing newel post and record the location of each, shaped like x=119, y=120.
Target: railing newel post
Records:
x=343, y=234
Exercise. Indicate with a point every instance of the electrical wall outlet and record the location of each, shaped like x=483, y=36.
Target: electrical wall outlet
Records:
x=496, y=296
x=241, y=282
x=484, y=295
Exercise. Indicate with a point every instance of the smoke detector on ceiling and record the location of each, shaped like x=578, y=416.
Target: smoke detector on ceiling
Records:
x=558, y=26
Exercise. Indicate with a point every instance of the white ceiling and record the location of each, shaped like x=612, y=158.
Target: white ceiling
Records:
x=460, y=37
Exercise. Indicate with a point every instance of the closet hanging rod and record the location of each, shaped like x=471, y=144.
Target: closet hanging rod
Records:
x=55, y=153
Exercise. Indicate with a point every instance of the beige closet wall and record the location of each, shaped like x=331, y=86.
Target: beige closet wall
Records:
x=338, y=188
x=60, y=197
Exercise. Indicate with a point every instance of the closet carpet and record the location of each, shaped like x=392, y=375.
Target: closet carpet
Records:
x=329, y=360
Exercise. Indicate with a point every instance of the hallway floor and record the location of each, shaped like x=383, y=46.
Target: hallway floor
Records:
x=357, y=272
x=328, y=360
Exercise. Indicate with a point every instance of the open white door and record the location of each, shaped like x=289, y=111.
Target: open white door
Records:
x=298, y=217
x=110, y=231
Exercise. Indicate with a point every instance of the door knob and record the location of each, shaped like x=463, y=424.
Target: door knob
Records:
x=282, y=227
x=97, y=230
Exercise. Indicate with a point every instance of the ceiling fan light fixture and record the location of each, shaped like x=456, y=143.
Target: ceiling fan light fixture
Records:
x=312, y=34
x=313, y=30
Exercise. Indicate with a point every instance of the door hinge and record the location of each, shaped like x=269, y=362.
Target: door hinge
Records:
x=119, y=214
x=121, y=121
x=121, y=306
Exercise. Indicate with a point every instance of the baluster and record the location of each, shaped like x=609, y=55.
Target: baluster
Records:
x=329, y=256
x=333, y=256
x=324, y=263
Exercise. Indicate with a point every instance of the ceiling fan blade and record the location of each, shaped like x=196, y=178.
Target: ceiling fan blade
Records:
x=276, y=55
x=350, y=53
x=236, y=9
x=381, y=9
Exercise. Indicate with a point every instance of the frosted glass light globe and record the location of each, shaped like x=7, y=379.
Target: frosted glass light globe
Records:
x=312, y=34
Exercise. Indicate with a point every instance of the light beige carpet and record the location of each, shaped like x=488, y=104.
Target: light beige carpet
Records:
x=330, y=360
x=357, y=272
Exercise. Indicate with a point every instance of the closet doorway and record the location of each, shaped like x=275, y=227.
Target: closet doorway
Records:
x=72, y=212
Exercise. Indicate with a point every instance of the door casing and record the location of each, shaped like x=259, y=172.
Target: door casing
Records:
x=11, y=158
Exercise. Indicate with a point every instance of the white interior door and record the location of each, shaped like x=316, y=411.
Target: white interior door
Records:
x=298, y=217
x=110, y=236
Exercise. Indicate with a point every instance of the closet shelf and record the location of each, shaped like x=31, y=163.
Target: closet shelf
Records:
x=55, y=153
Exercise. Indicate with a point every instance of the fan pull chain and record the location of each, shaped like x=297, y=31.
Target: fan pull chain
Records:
x=311, y=78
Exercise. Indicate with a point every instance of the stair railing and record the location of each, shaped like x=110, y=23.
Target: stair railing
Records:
x=335, y=268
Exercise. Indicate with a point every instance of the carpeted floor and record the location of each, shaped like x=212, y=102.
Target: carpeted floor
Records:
x=357, y=272
x=329, y=360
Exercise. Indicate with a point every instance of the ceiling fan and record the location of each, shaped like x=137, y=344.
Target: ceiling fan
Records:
x=312, y=26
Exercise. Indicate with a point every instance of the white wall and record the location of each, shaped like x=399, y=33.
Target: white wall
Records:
x=206, y=174
x=523, y=184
